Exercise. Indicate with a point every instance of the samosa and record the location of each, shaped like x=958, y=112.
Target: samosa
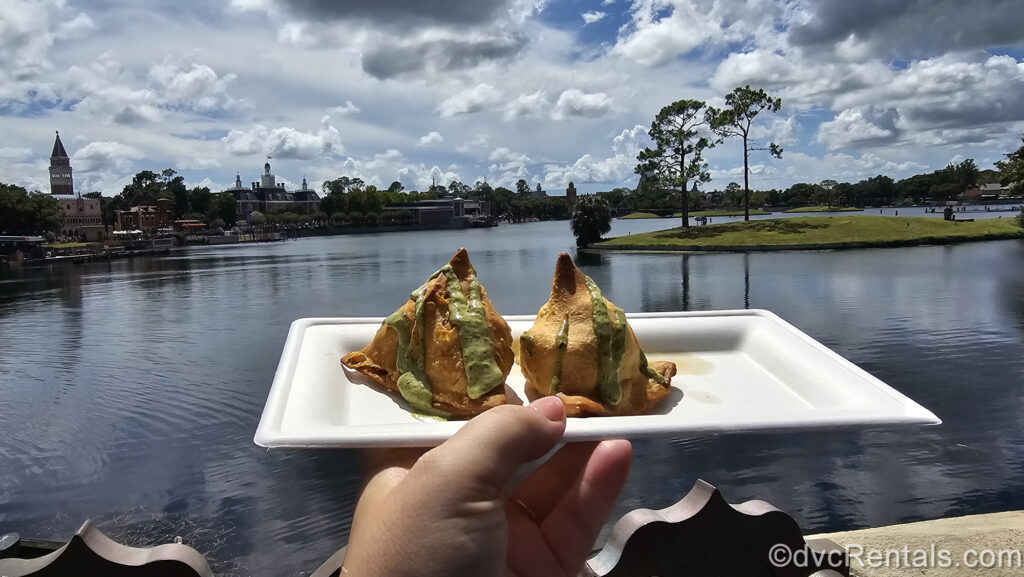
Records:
x=446, y=350
x=581, y=349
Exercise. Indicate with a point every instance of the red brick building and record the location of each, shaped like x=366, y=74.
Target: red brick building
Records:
x=145, y=218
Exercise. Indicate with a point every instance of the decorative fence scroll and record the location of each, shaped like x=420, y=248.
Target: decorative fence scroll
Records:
x=91, y=553
x=701, y=535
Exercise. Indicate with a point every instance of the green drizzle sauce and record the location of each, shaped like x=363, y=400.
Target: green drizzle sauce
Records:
x=470, y=318
x=645, y=367
x=561, y=342
x=413, y=383
x=611, y=344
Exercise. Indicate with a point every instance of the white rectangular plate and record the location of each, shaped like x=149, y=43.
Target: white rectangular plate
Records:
x=738, y=371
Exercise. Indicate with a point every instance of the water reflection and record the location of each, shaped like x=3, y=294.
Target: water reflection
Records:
x=746, y=280
x=130, y=390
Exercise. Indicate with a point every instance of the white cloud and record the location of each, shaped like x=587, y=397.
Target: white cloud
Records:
x=592, y=16
x=574, y=102
x=944, y=100
x=107, y=90
x=607, y=2
x=193, y=85
x=903, y=29
x=782, y=131
x=663, y=30
x=196, y=163
x=346, y=109
x=430, y=139
x=531, y=105
x=285, y=142
x=796, y=78
x=28, y=33
x=614, y=169
x=802, y=167
x=507, y=159
x=856, y=127
x=478, y=143
x=263, y=78
x=122, y=105
x=105, y=156
x=14, y=154
x=480, y=97
x=507, y=167
x=382, y=169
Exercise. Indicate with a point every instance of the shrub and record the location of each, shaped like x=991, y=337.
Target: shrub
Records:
x=590, y=219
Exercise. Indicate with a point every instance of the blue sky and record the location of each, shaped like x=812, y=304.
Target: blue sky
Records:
x=497, y=90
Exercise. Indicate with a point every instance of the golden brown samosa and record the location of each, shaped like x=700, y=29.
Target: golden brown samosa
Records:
x=446, y=350
x=582, y=349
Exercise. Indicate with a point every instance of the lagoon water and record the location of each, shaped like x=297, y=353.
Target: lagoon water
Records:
x=130, y=390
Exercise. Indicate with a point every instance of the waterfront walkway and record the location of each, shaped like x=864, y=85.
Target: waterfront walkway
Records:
x=962, y=540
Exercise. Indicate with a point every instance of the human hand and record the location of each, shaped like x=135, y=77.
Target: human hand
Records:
x=453, y=513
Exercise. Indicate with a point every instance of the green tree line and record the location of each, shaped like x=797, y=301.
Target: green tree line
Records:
x=167, y=186
x=27, y=213
x=345, y=195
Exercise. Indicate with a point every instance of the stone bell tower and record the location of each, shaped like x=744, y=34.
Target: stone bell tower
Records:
x=60, y=170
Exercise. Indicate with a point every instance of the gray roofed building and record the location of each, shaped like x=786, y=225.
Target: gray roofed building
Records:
x=267, y=196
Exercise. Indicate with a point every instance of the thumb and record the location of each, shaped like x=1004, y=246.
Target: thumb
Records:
x=487, y=451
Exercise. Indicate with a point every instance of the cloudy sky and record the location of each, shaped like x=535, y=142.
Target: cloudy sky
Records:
x=549, y=91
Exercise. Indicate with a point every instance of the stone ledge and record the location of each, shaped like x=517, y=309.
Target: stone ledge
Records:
x=995, y=532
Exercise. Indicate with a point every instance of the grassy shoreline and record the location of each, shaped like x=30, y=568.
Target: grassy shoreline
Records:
x=637, y=215
x=753, y=212
x=817, y=232
x=824, y=209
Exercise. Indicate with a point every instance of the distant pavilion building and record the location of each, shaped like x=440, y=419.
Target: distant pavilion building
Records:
x=81, y=215
x=446, y=212
x=148, y=219
x=268, y=196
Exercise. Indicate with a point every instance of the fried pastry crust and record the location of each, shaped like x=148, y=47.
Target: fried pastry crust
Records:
x=443, y=362
x=562, y=353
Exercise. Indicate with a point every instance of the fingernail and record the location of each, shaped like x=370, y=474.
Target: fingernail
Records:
x=550, y=407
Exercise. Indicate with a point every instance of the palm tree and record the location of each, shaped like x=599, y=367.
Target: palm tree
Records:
x=590, y=219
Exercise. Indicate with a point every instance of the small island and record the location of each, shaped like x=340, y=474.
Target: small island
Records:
x=696, y=214
x=824, y=209
x=816, y=233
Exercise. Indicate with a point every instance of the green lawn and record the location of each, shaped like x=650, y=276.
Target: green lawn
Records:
x=821, y=231
x=825, y=209
x=64, y=245
x=641, y=215
x=753, y=212
x=695, y=213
